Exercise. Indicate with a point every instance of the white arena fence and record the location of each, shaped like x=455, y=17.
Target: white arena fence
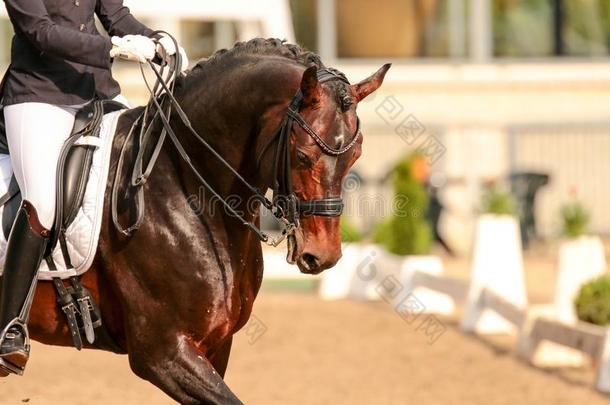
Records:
x=532, y=328
x=367, y=272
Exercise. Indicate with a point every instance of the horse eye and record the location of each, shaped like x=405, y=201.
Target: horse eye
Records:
x=303, y=159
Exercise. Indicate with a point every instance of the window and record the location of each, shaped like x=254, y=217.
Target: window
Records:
x=394, y=28
x=476, y=29
x=544, y=28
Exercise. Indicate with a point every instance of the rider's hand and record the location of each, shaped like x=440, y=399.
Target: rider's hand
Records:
x=167, y=47
x=137, y=48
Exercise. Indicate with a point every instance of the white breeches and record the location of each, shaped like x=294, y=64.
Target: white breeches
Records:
x=36, y=133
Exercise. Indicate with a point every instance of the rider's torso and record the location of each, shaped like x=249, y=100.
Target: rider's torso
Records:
x=35, y=76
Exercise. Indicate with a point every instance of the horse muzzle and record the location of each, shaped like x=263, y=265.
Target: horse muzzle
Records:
x=317, y=257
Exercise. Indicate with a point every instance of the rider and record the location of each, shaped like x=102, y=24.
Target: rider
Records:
x=59, y=62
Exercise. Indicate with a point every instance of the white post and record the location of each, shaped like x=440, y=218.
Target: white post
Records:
x=497, y=265
x=481, y=34
x=602, y=382
x=327, y=30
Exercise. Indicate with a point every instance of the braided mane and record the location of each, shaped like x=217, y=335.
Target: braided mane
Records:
x=262, y=46
x=271, y=47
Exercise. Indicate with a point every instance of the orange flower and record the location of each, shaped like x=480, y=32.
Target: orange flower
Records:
x=419, y=168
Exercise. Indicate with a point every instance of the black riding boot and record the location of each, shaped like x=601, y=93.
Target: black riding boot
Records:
x=26, y=246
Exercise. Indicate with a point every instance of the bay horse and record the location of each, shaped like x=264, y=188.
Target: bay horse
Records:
x=173, y=293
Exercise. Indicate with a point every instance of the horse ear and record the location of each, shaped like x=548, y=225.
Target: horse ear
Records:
x=371, y=83
x=310, y=87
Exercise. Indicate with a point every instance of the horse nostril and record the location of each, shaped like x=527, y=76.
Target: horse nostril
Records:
x=311, y=261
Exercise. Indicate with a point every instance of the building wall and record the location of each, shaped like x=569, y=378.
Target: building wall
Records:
x=577, y=158
x=476, y=110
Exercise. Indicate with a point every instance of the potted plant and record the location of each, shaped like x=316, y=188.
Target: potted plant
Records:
x=581, y=258
x=406, y=232
x=592, y=301
x=497, y=263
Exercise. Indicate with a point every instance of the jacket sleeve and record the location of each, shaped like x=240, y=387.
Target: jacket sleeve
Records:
x=32, y=20
x=118, y=20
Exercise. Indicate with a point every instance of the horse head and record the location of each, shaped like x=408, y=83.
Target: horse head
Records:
x=322, y=148
x=293, y=128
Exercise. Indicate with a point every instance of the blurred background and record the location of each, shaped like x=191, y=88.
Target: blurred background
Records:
x=492, y=128
x=505, y=86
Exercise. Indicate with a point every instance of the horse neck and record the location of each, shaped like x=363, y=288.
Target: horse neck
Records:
x=236, y=109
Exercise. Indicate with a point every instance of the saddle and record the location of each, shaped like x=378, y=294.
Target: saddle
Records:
x=73, y=172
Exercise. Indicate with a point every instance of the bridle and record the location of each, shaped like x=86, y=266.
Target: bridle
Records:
x=283, y=193
x=286, y=206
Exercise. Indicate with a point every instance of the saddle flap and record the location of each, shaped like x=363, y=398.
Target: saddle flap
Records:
x=75, y=164
x=73, y=171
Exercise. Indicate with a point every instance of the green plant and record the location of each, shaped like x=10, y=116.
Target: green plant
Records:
x=349, y=232
x=407, y=231
x=593, y=301
x=497, y=202
x=575, y=218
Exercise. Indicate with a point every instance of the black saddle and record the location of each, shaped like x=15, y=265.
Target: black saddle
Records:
x=72, y=169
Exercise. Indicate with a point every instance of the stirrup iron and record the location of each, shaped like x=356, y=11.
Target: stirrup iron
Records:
x=6, y=366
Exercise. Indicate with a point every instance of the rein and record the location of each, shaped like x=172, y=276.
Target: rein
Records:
x=286, y=206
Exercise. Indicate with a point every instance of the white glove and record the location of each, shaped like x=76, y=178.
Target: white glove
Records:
x=169, y=47
x=137, y=48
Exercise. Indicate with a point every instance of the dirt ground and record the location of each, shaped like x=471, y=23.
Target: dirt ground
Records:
x=316, y=352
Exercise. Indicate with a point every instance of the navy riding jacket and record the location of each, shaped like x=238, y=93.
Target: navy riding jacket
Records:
x=58, y=56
